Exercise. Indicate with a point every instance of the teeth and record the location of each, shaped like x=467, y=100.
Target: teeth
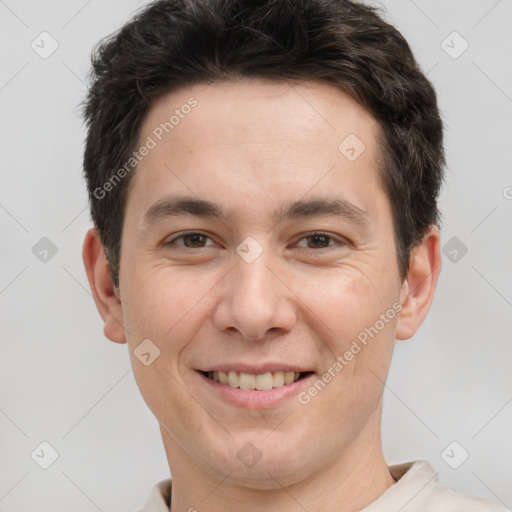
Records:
x=264, y=381
x=261, y=382
x=277, y=379
x=246, y=381
x=233, y=379
x=289, y=377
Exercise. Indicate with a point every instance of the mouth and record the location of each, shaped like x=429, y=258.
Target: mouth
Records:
x=257, y=382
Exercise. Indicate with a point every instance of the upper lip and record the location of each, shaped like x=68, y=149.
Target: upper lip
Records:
x=255, y=369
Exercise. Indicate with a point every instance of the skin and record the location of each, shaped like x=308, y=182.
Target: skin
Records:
x=251, y=147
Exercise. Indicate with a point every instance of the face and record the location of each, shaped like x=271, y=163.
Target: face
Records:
x=258, y=250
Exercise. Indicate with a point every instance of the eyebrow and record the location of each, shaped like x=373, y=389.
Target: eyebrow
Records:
x=316, y=206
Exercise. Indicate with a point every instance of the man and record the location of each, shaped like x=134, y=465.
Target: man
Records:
x=263, y=180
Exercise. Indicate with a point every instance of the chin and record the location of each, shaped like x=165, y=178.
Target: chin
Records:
x=259, y=462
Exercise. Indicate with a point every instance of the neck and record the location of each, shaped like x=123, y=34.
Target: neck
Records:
x=355, y=479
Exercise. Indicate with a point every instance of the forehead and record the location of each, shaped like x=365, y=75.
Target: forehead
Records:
x=252, y=142
x=308, y=111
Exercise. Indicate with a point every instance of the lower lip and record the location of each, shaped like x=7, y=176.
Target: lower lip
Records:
x=253, y=398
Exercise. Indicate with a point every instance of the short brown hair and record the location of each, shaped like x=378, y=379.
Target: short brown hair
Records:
x=174, y=43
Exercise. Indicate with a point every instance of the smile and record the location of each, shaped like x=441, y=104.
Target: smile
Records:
x=261, y=382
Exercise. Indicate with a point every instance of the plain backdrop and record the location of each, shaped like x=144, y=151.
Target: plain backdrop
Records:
x=64, y=383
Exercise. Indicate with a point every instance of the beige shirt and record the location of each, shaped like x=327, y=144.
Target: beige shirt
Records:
x=417, y=490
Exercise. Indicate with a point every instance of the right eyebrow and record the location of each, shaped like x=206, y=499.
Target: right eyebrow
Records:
x=173, y=206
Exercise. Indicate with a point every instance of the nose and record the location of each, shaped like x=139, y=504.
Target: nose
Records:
x=255, y=301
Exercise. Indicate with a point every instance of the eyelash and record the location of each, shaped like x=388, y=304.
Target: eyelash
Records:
x=310, y=235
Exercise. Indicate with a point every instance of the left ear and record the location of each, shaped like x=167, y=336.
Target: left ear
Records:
x=420, y=284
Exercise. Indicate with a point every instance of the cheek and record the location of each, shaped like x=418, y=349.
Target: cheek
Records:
x=360, y=325
x=166, y=307
x=359, y=345
x=345, y=299
x=164, y=304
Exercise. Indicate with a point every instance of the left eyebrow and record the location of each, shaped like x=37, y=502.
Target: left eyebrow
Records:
x=322, y=206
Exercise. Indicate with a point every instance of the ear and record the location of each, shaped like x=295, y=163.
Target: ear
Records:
x=106, y=296
x=420, y=284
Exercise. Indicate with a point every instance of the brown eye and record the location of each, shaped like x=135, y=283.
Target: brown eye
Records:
x=318, y=241
x=195, y=239
x=190, y=241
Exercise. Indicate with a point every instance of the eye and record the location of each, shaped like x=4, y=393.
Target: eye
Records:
x=320, y=241
x=192, y=240
x=196, y=240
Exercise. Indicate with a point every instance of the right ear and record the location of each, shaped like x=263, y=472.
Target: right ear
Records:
x=106, y=295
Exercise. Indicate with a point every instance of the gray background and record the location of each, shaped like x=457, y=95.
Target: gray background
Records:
x=62, y=382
